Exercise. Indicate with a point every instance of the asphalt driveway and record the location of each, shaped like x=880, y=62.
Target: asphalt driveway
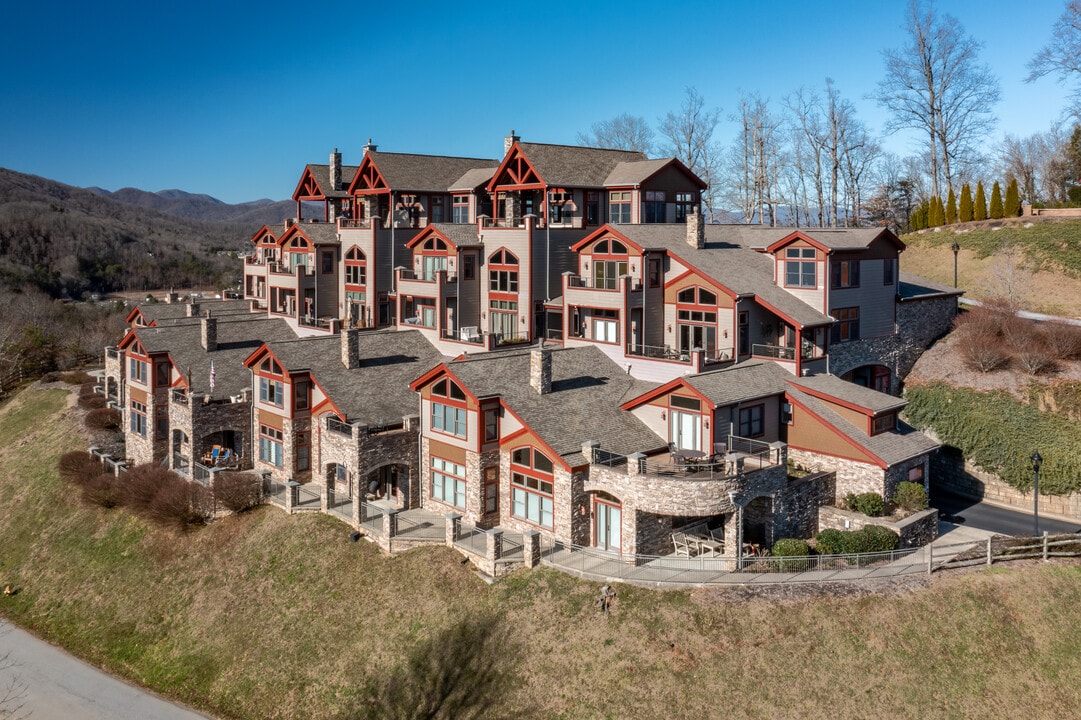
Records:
x=1003, y=521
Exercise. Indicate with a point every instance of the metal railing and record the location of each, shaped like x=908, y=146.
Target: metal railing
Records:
x=608, y=459
x=658, y=352
x=514, y=222
x=705, y=569
x=336, y=425
x=307, y=498
x=341, y=505
x=371, y=518
x=275, y=490
x=777, y=352
x=473, y=539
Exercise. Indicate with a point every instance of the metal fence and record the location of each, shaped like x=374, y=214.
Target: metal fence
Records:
x=274, y=490
x=473, y=539
x=308, y=498
x=371, y=518
x=341, y=505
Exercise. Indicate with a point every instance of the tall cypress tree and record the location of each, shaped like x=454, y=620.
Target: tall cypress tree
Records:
x=979, y=211
x=1013, y=199
x=938, y=213
x=996, y=202
x=965, y=213
x=951, y=208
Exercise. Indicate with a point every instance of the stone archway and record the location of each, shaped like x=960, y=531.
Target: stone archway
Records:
x=386, y=482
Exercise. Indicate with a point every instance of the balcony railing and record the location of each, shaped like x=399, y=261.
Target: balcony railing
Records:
x=113, y=353
x=362, y=223
x=514, y=222
x=581, y=281
x=658, y=352
x=777, y=352
x=336, y=425
x=179, y=397
x=743, y=455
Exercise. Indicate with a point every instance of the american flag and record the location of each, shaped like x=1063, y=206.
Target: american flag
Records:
x=212, y=376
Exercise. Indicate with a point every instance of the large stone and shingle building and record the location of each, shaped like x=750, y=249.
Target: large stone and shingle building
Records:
x=674, y=368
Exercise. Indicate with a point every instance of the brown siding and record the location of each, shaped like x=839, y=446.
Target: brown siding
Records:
x=270, y=419
x=447, y=452
x=807, y=432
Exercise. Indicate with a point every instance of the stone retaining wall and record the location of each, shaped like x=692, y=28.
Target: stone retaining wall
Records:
x=916, y=530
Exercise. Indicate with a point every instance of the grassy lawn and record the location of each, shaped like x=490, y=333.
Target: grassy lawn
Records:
x=270, y=616
x=1039, y=266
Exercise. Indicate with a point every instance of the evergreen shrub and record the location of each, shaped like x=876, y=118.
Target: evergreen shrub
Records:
x=910, y=497
x=870, y=504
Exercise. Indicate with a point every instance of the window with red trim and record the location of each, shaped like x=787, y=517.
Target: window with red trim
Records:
x=503, y=272
x=532, y=486
x=449, y=412
x=356, y=270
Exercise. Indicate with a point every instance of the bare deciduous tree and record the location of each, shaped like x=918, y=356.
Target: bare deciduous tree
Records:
x=13, y=688
x=754, y=161
x=936, y=85
x=623, y=132
x=688, y=133
x=1061, y=56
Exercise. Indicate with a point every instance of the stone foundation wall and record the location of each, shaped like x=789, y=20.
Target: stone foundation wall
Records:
x=851, y=476
x=952, y=474
x=919, y=324
x=796, y=506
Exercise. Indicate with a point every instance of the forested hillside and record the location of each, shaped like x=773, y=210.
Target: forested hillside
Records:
x=69, y=241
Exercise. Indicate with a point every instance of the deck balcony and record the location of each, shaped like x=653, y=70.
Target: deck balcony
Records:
x=681, y=481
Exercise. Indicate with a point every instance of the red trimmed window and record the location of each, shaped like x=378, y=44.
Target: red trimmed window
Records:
x=696, y=315
x=448, y=482
x=449, y=411
x=610, y=260
x=884, y=423
x=271, y=389
x=433, y=258
x=619, y=207
x=532, y=486
x=799, y=267
x=503, y=272
x=356, y=270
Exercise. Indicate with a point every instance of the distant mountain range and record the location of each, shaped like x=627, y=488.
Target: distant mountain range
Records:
x=191, y=206
x=70, y=241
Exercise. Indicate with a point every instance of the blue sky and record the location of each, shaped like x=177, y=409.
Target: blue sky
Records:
x=232, y=99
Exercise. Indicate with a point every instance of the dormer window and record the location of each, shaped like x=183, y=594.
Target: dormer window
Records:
x=884, y=423
x=610, y=258
x=433, y=258
x=799, y=268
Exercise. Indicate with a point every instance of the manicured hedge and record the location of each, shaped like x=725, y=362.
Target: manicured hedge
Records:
x=872, y=538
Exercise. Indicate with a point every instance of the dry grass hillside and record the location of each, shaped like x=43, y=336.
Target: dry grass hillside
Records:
x=266, y=615
x=1035, y=263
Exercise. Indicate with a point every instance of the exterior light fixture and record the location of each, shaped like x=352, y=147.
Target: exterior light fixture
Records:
x=1036, y=462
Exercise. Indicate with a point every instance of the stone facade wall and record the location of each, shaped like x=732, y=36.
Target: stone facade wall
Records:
x=147, y=449
x=899, y=473
x=796, y=506
x=919, y=324
x=362, y=454
x=916, y=530
x=952, y=474
x=199, y=421
x=852, y=476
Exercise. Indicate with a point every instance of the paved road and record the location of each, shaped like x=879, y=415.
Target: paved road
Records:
x=1003, y=521
x=60, y=687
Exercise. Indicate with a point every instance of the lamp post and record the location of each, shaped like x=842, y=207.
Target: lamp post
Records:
x=956, y=249
x=1036, y=462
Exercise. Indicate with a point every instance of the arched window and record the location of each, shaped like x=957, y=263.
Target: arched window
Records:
x=298, y=253
x=532, y=486
x=448, y=408
x=696, y=315
x=271, y=390
x=610, y=258
x=503, y=271
x=433, y=258
x=356, y=271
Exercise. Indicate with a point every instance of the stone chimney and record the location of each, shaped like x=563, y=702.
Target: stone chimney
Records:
x=210, y=332
x=335, y=170
x=508, y=141
x=193, y=309
x=369, y=147
x=351, y=349
x=540, y=370
x=696, y=230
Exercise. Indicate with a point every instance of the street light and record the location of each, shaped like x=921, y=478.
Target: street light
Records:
x=1036, y=461
x=956, y=249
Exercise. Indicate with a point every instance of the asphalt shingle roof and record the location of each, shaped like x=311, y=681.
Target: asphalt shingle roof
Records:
x=460, y=234
x=473, y=179
x=871, y=400
x=237, y=338
x=739, y=383
x=891, y=447
x=377, y=392
x=729, y=258
x=424, y=173
x=572, y=166
x=587, y=390
x=168, y=312
x=633, y=173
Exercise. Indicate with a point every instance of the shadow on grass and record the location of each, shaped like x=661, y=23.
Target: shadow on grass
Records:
x=462, y=671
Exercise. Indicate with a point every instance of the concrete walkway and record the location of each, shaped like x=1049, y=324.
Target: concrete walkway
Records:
x=677, y=572
x=58, y=685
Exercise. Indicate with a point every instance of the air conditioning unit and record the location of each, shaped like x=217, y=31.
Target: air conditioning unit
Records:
x=469, y=334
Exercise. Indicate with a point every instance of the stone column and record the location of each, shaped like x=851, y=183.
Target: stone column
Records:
x=292, y=495
x=531, y=548
x=390, y=523
x=493, y=544
x=454, y=527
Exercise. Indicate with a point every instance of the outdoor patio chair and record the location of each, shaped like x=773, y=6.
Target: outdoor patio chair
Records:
x=681, y=544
